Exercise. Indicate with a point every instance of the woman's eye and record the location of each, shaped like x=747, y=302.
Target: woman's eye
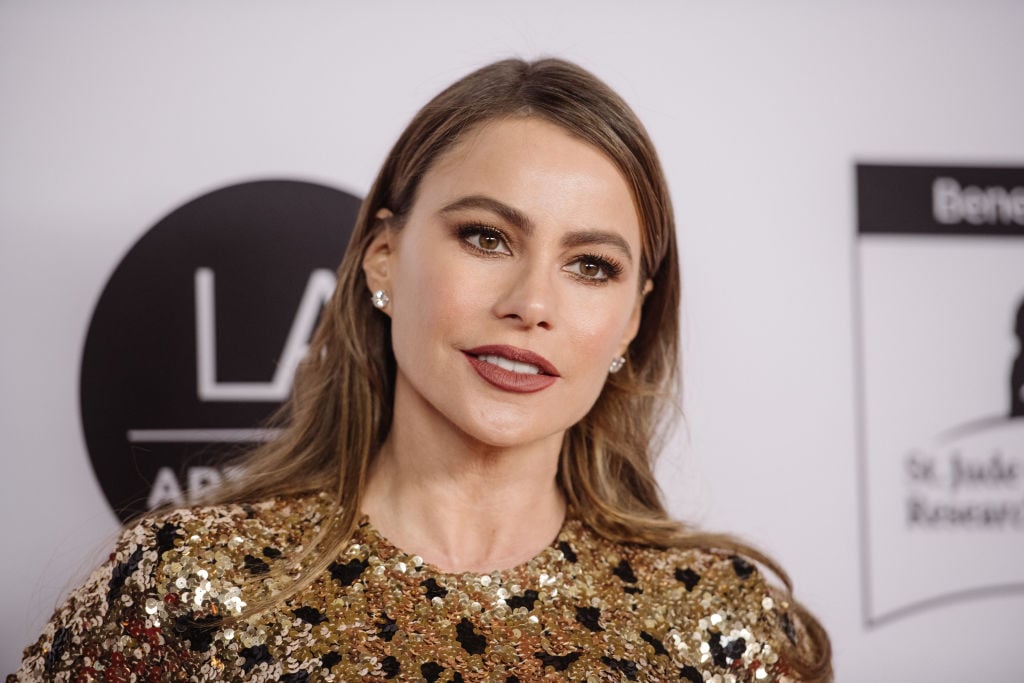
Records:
x=486, y=241
x=591, y=269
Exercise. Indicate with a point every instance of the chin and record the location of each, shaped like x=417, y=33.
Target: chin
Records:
x=503, y=439
x=513, y=430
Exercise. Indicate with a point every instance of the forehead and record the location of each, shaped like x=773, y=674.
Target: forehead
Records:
x=540, y=169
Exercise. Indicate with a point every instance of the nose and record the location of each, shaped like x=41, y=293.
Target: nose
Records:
x=527, y=298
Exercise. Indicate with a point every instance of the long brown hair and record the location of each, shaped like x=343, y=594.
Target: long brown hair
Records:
x=340, y=410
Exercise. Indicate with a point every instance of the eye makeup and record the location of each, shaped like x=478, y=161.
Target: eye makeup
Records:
x=489, y=241
x=610, y=269
x=480, y=238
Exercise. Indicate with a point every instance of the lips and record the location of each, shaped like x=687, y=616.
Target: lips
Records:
x=512, y=369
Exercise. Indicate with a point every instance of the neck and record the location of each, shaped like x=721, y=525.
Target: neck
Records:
x=463, y=506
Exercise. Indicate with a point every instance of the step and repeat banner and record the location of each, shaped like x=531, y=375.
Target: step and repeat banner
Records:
x=178, y=184
x=940, y=279
x=197, y=334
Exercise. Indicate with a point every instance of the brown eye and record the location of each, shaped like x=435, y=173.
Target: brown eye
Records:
x=484, y=239
x=593, y=269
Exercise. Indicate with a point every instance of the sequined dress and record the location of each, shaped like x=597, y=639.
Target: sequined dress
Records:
x=584, y=609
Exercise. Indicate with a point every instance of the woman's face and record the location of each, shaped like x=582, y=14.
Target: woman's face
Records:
x=514, y=282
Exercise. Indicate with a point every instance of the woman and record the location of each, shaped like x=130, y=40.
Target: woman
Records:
x=489, y=375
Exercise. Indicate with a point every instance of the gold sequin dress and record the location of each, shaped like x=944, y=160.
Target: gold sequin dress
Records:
x=585, y=609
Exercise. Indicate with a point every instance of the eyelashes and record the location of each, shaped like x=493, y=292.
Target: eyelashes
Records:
x=490, y=241
x=592, y=267
x=484, y=238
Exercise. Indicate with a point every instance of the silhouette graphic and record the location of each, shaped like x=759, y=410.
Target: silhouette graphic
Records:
x=1017, y=374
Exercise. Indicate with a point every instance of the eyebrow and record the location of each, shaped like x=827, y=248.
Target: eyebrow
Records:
x=507, y=213
x=582, y=238
x=575, y=238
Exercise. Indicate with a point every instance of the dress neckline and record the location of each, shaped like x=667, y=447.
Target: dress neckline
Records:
x=552, y=555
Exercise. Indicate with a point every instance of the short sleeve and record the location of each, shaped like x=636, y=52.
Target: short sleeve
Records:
x=107, y=628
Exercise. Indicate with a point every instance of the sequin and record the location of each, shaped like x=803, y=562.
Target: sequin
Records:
x=584, y=609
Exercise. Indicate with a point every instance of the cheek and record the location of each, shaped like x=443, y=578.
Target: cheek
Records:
x=433, y=297
x=599, y=328
x=595, y=341
x=597, y=336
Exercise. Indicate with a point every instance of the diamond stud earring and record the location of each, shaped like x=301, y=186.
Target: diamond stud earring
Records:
x=380, y=299
x=617, y=364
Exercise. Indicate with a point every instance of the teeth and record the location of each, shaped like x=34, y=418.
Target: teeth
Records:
x=511, y=365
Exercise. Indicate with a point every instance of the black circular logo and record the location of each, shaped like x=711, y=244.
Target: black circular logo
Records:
x=197, y=334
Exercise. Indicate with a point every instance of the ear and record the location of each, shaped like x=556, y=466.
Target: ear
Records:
x=634, y=319
x=378, y=255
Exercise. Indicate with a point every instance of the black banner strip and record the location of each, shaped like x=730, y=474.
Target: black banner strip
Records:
x=940, y=200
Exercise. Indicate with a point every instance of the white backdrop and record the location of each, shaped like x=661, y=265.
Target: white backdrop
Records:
x=114, y=113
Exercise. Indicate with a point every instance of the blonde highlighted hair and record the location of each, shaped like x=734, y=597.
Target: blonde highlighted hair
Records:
x=340, y=411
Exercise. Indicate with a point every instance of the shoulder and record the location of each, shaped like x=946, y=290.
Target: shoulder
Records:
x=151, y=594
x=282, y=519
x=272, y=512
x=203, y=561
x=713, y=611
x=184, y=545
x=707, y=574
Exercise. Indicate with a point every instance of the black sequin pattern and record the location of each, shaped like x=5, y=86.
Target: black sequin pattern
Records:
x=584, y=609
x=688, y=577
x=60, y=643
x=122, y=570
x=557, y=662
x=742, y=568
x=589, y=617
x=310, y=615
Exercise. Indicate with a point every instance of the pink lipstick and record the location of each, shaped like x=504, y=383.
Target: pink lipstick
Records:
x=512, y=369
